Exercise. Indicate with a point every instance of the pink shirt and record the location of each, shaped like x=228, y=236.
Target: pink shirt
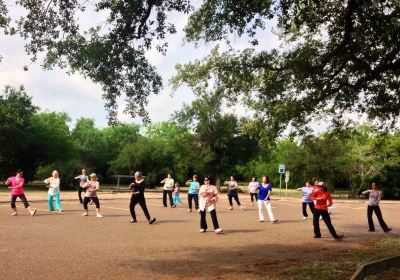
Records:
x=17, y=185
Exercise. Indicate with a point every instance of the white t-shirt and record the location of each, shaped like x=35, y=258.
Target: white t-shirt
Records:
x=169, y=184
x=54, y=184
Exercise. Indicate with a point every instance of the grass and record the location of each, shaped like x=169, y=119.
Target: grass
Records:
x=344, y=266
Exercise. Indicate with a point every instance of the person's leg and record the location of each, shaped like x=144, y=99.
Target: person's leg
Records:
x=170, y=198
x=378, y=214
x=132, y=208
x=58, y=202
x=370, y=220
x=213, y=214
x=164, y=198
x=22, y=197
x=236, y=197
x=50, y=201
x=174, y=199
x=190, y=197
x=327, y=219
x=260, y=210
x=317, y=231
x=230, y=201
x=269, y=210
x=142, y=203
x=178, y=199
x=252, y=198
x=13, y=206
x=80, y=190
x=311, y=205
x=203, y=222
x=196, y=201
x=304, y=204
x=85, y=205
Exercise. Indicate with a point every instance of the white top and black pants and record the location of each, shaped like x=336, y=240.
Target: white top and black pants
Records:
x=373, y=206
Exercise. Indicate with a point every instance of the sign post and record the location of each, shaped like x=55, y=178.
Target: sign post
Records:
x=287, y=174
x=281, y=171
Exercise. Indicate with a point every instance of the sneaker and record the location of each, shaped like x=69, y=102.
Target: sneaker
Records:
x=261, y=221
x=339, y=237
x=189, y=210
x=14, y=214
x=133, y=221
x=230, y=208
x=305, y=218
x=387, y=231
x=218, y=230
x=371, y=230
x=173, y=206
x=85, y=214
x=33, y=213
x=274, y=222
x=60, y=210
x=242, y=208
x=152, y=221
x=99, y=215
x=202, y=230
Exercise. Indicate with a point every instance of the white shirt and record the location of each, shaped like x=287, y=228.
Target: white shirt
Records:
x=54, y=185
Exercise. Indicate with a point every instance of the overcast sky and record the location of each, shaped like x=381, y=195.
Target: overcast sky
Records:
x=79, y=97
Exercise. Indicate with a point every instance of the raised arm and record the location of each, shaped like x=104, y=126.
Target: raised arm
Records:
x=366, y=192
x=188, y=182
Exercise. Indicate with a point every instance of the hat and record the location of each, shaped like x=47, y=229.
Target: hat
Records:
x=320, y=184
x=93, y=175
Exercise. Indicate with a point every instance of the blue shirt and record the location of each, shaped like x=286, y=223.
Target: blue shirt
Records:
x=263, y=191
x=193, y=188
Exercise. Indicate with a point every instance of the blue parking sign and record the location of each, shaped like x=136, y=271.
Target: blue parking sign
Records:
x=281, y=169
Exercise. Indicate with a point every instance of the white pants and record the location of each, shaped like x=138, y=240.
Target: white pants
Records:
x=267, y=204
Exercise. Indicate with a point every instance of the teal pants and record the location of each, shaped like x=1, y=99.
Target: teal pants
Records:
x=177, y=199
x=57, y=199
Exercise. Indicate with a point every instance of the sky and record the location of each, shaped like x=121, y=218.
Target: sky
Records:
x=54, y=90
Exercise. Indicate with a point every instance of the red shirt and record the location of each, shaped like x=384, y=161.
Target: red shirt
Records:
x=323, y=200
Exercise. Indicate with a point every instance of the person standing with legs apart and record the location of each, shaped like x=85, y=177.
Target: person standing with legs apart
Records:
x=16, y=184
x=53, y=183
x=138, y=186
x=83, y=178
x=193, y=193
x=91, y=187
x=233, y=192
x=208, y=197
x=253, y=190
x=323, y=200
x=177, y=199
x=264, y=197
x=307, y=193
x=167, y=189
x=375, y=196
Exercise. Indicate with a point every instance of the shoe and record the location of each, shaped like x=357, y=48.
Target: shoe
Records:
x=261, y=221
x=152, y=221
x=218, y=230
x=387, y=231
x=230, y=208
x=371, y=230
x=173, y=206
x=33, y=213
x=316, y=237
x=189, y=210
x=305, y=218
x=133, y=221
x=99, y=216
x=242, y=208
x=60, y=210
x=85, y=214
x=339, y=237
x=274, y=222
x=202, y=230
x=14, y=214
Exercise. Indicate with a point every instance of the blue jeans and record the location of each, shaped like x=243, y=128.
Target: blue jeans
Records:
x=57, y=199
x=177, y=199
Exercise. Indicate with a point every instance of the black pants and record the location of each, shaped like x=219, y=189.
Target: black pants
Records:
x=80, y=191
x=164, y=197
x=311, y=205
x=203, y=222
x=94, y=199
x=142, y=202
x=235, y=196
x=23, y=199
x=378, y=214
x=327, y=220
x=194, y=197
x=253, y=195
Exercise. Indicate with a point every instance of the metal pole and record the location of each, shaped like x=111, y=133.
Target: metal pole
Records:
x=118, y=183
x=286, y=189
x=280, y=185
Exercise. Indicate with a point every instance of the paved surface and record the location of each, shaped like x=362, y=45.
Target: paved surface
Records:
x=68, y=246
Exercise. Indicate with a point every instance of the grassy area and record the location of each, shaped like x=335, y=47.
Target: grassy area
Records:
x=344, y=266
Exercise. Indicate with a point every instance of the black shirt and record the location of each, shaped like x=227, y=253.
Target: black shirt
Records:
x=138, y=187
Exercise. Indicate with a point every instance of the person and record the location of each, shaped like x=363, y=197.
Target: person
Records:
x=374, y=198
x=177, y=199
x=193, y=193
x=323, y=200
x=208, y=197
x=83, y=178
x=167, y=189
x=233, y=192
x=253, y=190
x=16, y=184
x=264, y=197
x=307, y=191
x=137, y=197
x=92, y=187
x=53, y=183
